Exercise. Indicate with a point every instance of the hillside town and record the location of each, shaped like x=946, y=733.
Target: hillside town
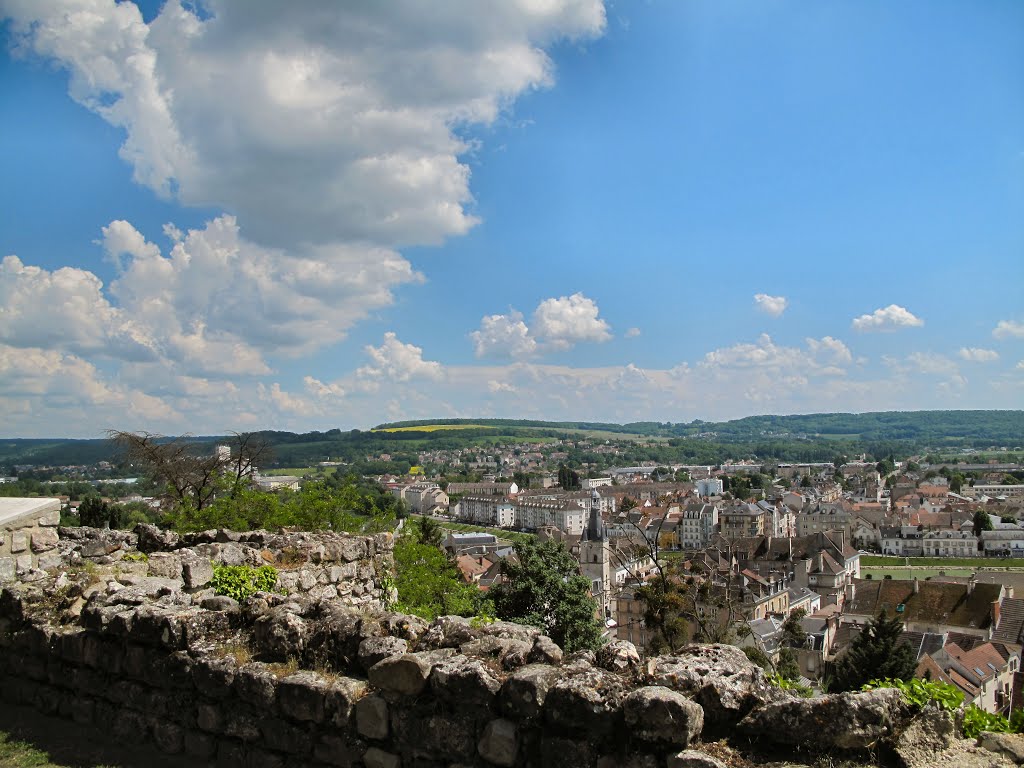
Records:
x=791, y=551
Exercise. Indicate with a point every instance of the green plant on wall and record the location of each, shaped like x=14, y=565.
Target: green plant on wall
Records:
x=243, y=581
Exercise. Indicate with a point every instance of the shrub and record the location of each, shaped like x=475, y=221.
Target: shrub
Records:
x=243, y=581
x=917, y=692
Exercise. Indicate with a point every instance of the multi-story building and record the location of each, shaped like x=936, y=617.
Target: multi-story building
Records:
x=696, y=525
x=741, y=520
x=950, y=544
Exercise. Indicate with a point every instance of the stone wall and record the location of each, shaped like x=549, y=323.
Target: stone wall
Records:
x=28, y=537
x=328, y=677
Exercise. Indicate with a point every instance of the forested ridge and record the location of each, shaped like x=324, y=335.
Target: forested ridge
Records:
x=811, y=437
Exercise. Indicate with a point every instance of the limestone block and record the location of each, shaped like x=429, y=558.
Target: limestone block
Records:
x=302, y=697
x=200, y=745
x=23, y=564
x=165, y=565
x=406, y=674
x=378, y=758
x=285, y=737
x=856, y=720
x=213, y=677
x=8, y=569
x=372, y=717
x=256, y=685
x=523, y=694
x=50, y=520
x=656, y=713
x=197, y=573
x=44, y=539
x=374, y=649
x=49, y=560
x=341, y=698
x=464, y=681
x=334, y=750
x=19, y=542
x=168, y=737
x=1009, y=745
x=240, y=724
x=209, y=718
x=499, y=743
x=618, y=656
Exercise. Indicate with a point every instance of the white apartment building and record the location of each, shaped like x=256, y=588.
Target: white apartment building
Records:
x=950, y=544
x=696, y=525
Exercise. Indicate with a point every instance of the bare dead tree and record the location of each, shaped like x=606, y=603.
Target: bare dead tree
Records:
x=191, y=477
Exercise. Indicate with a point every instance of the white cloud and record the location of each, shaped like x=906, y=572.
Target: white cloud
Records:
x=333, y=122
x=568, y=320
x=320, y=389
x=978, y=355
x=557, y=324
x=931, y=363
x=65, y=309
x=331, y=131
x=398, y=362
x=771, y=305
x=504, y=336
x=833, y=349
x=632, y=333
x=216, y=304
x=1008, y=329
x=888, y=319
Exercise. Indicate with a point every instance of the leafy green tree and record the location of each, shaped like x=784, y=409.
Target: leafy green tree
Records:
x=982, y=522
x=94, y=512
x=568, y=479
x=429, y=532
x=545, y=589
x=429, y=585
x=877, y=652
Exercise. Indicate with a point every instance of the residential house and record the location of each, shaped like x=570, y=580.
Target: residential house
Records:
x=696, y=526
x=950, y=543
x=983, y=674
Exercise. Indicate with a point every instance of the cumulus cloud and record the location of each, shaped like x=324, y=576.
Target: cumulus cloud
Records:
x=216, y=304
x=568, y=320
x=632, y=333
x=1008, y=329
x=397, y=361
x=887, y=319
x=504, y=336
x=557, y=324
x=931, y=363
x=332, y=132
x=978, y=355
x=836, y=351
x=771, y=305
x=336, y=123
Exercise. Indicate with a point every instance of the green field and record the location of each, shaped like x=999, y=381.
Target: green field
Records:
x=295, y=471
x=501, y=533
x=878, y=561
x=909, y=573
x=432, y=428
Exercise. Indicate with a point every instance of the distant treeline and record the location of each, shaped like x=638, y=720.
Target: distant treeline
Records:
x=814, y=437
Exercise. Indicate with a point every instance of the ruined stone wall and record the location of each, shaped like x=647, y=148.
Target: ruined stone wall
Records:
x=308, y=678
x=28, y=540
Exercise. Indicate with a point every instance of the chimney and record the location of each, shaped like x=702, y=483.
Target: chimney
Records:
x=917, y=587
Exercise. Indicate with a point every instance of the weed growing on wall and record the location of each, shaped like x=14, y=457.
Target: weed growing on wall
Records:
x=243, y=581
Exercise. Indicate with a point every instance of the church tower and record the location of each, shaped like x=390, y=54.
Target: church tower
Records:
x=594, y=560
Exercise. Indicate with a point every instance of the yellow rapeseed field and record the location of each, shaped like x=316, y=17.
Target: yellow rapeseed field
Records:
x=432, y=428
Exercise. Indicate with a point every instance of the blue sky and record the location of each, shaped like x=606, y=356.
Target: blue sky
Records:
x=241, y=215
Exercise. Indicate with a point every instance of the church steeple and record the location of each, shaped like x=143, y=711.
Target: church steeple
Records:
x=595, y=526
